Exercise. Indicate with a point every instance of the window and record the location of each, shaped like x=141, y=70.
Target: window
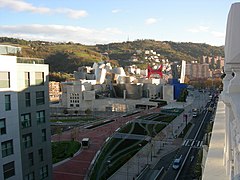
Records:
x=27, y=79
x=8, y=170
x=27, y=99
x=40, y=115
x=26, y=120
x=2, y=126
x=29, y=176
x=44, y=137
x=39, y=78
x=43, y=172
x=27, y=140
x=7, y=102
x=40, y=97
x=7, y=148
x=30, y=159
x=40, y=154
x=4, y=79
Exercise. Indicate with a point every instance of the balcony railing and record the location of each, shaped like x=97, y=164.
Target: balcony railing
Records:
x=30, y=60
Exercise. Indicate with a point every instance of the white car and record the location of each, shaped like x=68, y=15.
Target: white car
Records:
x=177, y=162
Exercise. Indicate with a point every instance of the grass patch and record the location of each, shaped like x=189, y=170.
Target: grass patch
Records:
x=159, y=127
x=121, y=153
x=64, y=149
x=173, y=111
x=151, y=116
x=198, y=167
x=166, y=119
x=139, y=129
x=82, y=119
x=126, y=128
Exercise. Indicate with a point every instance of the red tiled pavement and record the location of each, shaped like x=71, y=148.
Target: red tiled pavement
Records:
x=76, y=168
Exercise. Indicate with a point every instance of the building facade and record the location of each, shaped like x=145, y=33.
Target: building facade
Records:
x=196, y=70
x=54, y=91
x=223, y=160
x=24, y=127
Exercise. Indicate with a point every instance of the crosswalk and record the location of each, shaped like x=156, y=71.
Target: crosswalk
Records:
x=192, y=143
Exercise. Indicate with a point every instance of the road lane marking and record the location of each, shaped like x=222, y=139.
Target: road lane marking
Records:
x=198, y=143
x=183, y=144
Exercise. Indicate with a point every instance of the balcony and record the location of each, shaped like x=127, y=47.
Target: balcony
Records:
x=214, y=168
x=223, y=160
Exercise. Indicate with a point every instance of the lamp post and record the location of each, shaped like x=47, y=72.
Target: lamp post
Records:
x=151, y=149
x=108, y=165
x=185, y=118
x=140, y=145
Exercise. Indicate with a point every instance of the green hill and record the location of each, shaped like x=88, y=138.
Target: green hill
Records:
x=67, y=57
x=169, y=50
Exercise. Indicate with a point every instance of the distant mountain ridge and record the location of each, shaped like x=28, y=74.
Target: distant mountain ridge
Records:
x=67, y=57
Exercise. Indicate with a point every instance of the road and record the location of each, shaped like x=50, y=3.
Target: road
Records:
x=193, y=150
x=188, y=150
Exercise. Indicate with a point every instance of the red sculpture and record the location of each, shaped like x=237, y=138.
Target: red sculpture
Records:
x=155, y=71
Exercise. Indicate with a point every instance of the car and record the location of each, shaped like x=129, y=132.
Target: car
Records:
x=177, y=162
x=195, y=112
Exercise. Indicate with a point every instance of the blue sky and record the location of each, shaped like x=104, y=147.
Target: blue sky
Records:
x=104, y=21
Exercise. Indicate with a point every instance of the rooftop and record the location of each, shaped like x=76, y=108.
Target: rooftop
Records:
x=30, y=60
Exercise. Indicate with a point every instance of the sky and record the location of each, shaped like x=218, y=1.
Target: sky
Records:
x=93, y=22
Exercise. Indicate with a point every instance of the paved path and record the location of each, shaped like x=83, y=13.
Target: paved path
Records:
x=76, y=168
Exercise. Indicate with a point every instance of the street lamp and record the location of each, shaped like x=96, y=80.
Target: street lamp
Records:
x=108, y=162
x=108, y=165
x=140, y=145
x=185, y=118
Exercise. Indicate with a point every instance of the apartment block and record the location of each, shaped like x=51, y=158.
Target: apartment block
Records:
x=196, y=70
x=24, y=112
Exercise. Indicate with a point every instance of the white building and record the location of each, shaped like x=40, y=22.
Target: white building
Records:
x=223, y=160
x=24, y=126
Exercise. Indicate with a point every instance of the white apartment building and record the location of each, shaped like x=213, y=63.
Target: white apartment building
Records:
x=25, y=146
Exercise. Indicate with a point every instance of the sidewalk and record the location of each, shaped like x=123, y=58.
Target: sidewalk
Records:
x=161, y=145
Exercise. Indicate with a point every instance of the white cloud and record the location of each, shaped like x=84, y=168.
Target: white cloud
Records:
x=203, y=28
x=116, y=10
x=218, y=34
x=193, y=30
x=198, y=29
x=150, y=21
x=75, y=14
x=20, y=5
x=61, y=33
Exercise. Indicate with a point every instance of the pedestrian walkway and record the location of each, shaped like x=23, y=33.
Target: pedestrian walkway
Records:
x=77, y=167
x=163, y=143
